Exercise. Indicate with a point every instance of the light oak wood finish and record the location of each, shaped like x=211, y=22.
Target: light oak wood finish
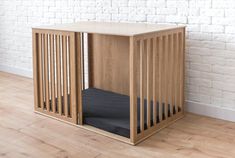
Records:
x=52, y=73
x=109, y=63
x=77, y=76
x=58, y=68
x=111, y=28
x=65, y=75
x=68, y=88
x=159, y=46
x=24, y=134
x=146, y=63
x=142, y=85
x=133, y=95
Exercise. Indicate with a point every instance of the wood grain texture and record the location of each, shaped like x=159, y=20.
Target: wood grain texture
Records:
x=149, y=84
x=29, y=135
x=40, y=69
x=109, y=63
x=58, y=68
x=54, y=65
x=138, y=66
x=133, y=95
x=46, y=70
x=75, y=88
x=35, y=69
x=154, y=89
x=171, y=73
x=52, y=73
x=79, y=75
x=166, y=77
x=160, y=69
x=65, y=75
x=111, y=28
x=161, y=80
x=142, y=85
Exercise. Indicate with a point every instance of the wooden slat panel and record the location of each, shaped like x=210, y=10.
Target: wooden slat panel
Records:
x=52, y=67
x=65, y=78
x=148, y=83
x=165, y=66
x=154, y=81
x=133, y=96
x=35, y=69
x=141, y=85
x=58, y=63
x=58, y=55
x=160, y=44
x=46, y=71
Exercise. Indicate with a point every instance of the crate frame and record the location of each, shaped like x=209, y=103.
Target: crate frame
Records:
x=161, y=53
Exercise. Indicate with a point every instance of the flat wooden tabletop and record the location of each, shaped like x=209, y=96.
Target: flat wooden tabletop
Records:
x=113, y=28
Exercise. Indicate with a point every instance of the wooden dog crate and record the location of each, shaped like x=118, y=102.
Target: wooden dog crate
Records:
x=135, y=76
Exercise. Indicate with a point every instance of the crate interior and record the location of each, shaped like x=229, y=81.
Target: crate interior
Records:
x=106, y=103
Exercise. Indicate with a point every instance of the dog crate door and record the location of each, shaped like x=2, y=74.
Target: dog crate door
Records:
x=57, y=71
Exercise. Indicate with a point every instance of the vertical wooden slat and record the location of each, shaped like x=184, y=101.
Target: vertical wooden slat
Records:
x=160, y=45
x=79, y=79
x=35, y=69
x=55, y=73
x=69, y=74
x=52, y=73
x=176, y=73
x=40, y=63
x=81, y=48
x=141, y=85
x=154, y=82
x=164, y=72
x=73, y=79
x=181, y=67
x=65, y=81
x=58, y=63
x=166, y=78
x=133, y=97
x=90, y=60
x=46, y=71
x=171, y=60
x=148, y=83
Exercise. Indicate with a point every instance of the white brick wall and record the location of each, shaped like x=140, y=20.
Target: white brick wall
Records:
x=210, y=58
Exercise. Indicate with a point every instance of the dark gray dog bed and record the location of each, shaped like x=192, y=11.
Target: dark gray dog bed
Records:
x=110, y=111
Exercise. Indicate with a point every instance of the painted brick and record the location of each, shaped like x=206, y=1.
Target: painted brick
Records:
x=212, y=28
x=166, y=11
x=230, y=29
x=199, y=20
x=212, y=12
x=176, y=19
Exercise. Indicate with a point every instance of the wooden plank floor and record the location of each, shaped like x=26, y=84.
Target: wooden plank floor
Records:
x=26, y=134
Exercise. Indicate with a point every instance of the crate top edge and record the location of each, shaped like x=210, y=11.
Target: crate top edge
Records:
x=111, y=28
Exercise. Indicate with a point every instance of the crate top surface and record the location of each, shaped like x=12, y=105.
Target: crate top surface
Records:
x=112, y=28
